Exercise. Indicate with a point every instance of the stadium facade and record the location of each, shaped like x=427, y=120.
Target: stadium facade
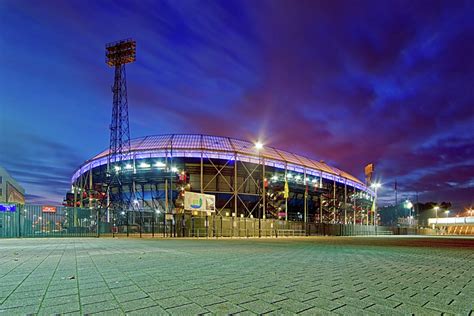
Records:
x=248, y=181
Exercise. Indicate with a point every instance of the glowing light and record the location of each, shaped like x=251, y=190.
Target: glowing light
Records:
x=159, y=164
x=275, y=178
x=128, y=166
x=298, y=177
x=145, y=165
x=289, y=176
x=258, y=145
x=174, y=169
x=117, y=168
x=436, y=208
x=376, y=185
x=314, y=180
x=408, y=204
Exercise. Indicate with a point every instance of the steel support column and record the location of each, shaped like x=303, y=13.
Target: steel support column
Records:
x=345, y=202
x=286, y=198
x=90, y=187
x=305, y=197
x=235, y=185
x=334, y=201
x=202, y=173
x=354, y=207
x=264, y=191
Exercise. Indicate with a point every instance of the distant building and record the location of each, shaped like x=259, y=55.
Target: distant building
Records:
x=10, y=190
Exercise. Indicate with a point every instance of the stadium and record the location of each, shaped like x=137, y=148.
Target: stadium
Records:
x=249, y=181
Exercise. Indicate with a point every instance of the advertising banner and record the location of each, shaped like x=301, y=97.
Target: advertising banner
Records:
x=49, y=209
x=7, y=208
x=199, y=202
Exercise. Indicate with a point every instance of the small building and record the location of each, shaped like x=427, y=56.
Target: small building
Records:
x=10, y=190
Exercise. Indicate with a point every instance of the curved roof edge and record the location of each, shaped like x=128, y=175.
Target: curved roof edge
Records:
x=176, y=145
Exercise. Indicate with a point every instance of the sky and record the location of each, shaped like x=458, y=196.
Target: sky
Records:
x=347, y=82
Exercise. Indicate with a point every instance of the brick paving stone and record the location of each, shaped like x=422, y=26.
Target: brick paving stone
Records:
x=59, y=309
x=195, y=293
x=270, y=297
x=354, y=302
x=302, y=297
x=245, y=313
x=111, y=312
x=96, y=298
x=64, y=292
x=207, y=300
x=352, y=310
x=240, y=298
x=162, y=295
x=100, y=307
x=383, y=310
x=371, y=300
x=325, y=304
x=451, y=309
x=154, y=310
x=190, y=309
x=293, y=306
x=125, y=297
x=260, y=307
x=138, y=304
x=225, y=308
x=53, y=301
x=417, y=310
x=316, y=311
x=173, y=301
x=22, y=310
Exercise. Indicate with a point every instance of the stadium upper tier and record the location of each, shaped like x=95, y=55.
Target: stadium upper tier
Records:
x=216, y=147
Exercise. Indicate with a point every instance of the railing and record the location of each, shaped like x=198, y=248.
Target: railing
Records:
x=291, y=232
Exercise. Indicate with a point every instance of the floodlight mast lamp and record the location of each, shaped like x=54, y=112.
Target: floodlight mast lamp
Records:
x=117, y=55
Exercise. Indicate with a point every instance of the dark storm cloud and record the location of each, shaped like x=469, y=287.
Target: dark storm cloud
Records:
x=346, y=82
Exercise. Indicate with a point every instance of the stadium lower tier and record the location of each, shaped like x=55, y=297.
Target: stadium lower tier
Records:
x=242, y=189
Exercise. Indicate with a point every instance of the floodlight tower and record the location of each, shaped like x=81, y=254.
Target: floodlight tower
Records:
x=117, y=55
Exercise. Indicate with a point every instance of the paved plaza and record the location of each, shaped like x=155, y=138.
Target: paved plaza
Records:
x=315, y=276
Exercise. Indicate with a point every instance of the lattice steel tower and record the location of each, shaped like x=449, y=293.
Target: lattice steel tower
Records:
x=117, y=55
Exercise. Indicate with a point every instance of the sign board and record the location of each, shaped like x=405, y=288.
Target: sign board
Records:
x=199, y=202
x=7, y=208
x=49, y=209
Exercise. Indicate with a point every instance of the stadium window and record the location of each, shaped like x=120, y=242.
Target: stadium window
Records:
x=1, y=179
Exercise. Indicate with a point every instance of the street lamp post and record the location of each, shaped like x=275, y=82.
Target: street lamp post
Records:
x=375, y=186
x=258, y=147
x=409, y=206
x=436, y=208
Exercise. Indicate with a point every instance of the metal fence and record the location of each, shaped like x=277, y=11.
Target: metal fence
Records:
x=47, y=221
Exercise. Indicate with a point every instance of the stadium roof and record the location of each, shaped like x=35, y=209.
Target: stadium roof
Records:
x=189, y=145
